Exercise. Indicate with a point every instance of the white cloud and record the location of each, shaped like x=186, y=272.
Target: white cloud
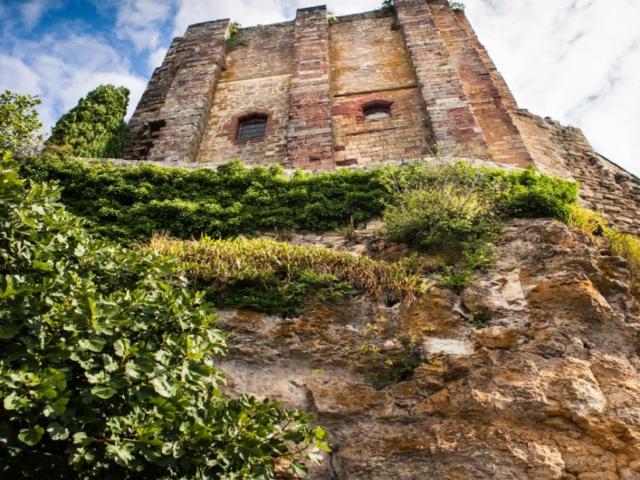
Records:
x=141, y=21
x=31, y=12
x=15, y=75
x=62, y=69
x=156, y=58
x=573, y=60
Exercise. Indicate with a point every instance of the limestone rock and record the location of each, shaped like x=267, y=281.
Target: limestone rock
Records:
x=548, y=387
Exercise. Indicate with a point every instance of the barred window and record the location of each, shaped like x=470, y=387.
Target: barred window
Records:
x=253, y=127
x=377, y=110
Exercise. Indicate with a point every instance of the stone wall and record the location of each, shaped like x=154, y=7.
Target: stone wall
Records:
x=171, y=129
x=256, y=80
x=492, y=113
x=452, y=120
x=310, y=139
x=369, y=63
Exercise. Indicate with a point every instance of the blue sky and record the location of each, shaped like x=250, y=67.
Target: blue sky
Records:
x=577, y=61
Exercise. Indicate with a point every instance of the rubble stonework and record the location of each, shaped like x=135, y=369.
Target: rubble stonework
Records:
x=312, y=77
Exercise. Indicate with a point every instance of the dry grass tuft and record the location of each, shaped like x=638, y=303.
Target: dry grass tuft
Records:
x=224, y=261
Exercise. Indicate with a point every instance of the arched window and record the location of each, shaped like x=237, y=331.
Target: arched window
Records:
x=377, y=110
x=252, y=127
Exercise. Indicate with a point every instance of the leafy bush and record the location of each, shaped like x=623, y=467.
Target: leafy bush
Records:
x=436, y=219
x=107, y=362
x=513, y=193
x=528, y=194
x=277, y=277
x=456, y=211
x=19, y=123
x=136, y=202
x=95, y=127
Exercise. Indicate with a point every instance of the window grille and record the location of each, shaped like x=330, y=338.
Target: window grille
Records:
x=252, y=128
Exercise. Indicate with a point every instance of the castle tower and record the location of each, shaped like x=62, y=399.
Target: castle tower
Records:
x=356, y=91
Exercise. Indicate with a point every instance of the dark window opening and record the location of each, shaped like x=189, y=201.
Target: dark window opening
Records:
x=150, y=133
x=252, y=128
x=377, y=111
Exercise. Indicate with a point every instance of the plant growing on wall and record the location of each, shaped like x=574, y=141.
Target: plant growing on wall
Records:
x=235, y=38
x=107, y=362
x=388, y=6
x=19, y=123
x=95, y=127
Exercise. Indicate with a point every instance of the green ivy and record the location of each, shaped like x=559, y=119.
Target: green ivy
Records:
x=107, y=362
x=95, y=127
x=135, y=202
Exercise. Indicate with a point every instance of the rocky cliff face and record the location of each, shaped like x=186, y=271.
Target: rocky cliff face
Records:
x=531, y=373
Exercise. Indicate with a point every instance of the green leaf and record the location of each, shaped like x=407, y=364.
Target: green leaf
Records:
x=163, y=388
x=57, y=431
x=94, y=344
x=9, y=290
x=8, y=331
x=44, y=266
x=80, y=438
x=120, y=454
x=104, y=392
x=121, y=346
x=298, y=468
x=11, y=401
x=31, y=436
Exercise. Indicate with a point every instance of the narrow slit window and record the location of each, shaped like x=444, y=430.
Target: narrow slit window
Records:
x=377, y=111
x=252, y=128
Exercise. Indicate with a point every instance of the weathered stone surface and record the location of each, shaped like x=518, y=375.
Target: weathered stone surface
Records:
x=181, y=93
x=256, y=81
x=565, y=152
x=454, y=125
x=309, y=136
x=547, y=388
x=370, y=63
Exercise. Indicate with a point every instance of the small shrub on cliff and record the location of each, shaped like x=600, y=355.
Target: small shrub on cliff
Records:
x=437, y=219
x=95, y=127
x=106, y=362
x=456, y=210
x=277, y=277
x=622, y=244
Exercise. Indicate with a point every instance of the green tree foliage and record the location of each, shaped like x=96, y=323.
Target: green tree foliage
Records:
x=106, y=362
x=19, y=123
x=95, y=127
